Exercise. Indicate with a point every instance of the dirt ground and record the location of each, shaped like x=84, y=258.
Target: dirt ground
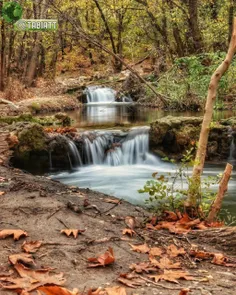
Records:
x=38, y=206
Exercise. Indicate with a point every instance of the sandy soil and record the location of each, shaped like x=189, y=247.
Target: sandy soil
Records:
x=38, y=205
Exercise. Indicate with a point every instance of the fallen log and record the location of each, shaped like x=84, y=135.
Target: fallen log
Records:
x=223, y=239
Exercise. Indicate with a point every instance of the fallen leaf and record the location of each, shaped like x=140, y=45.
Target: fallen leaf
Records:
x=164, y=263
x=116, y=291
x=38, y=277
x=201, y=254
x=140, y=248
x=21, y=258
x=184, y=292
x=99, y=291
x=74, y=232
x=221, y=259
x=170, y=216
x=16, y=233
x=142, y=267
x=155, y=251
x=131, y=280
x=128, y=231
x=112, y=201
x=2, y=193
x=31, y=247
x=172, y=276
x=173, y=251
x=56, y=290
x=130, y=222
x=103, y=260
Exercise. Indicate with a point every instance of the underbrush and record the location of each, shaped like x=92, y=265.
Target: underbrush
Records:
x=186, y=83
x=16, y=91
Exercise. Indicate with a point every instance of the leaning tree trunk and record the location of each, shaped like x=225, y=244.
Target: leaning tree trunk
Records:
x=194, y=192
x=223, y=239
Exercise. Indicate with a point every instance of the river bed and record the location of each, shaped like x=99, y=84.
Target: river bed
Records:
x=124, y=180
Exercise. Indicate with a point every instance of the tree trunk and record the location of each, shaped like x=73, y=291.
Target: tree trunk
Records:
x=2, y=57
x=224, y=239
x=194, y=26
x=216, y=206
x=195, y=182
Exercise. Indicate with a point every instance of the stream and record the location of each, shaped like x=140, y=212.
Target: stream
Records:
x=124, y=169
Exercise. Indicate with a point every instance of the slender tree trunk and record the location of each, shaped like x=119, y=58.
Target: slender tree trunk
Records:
x=195, y=182
x=3, y=52
x=216, y=206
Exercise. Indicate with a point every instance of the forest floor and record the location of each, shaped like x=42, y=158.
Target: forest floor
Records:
x=40, y=207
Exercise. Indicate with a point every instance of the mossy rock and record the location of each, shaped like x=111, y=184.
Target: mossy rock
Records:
x=32, y=138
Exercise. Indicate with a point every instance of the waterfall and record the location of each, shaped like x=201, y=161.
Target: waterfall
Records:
x=108, y=149
x=73, y=151
x=95, y=94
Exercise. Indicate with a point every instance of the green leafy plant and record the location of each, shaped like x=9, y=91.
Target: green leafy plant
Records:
x=168, y=193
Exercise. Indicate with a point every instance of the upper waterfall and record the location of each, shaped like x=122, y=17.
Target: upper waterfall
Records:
x=97, y=94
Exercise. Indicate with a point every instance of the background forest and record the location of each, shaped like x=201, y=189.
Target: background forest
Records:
x=188, y=37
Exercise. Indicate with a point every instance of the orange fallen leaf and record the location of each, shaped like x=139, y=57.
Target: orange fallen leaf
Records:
x=164, y=263
x=155, y=251
x=142, y=267
x=173, y=251
x=128, y=231
x=116, y=291
x=74, y=232
x=170, y=216
x=140, y=248
x=31, y=247
x=200, y=254
x=99, y=291
x=21, y=258
x=103, y=260
x=221, y=259
x=131, y=280
x=2, y=193
x=184, y=292
x=56, y=290
x=16, y=233
x=112, y=201
x=172, y=276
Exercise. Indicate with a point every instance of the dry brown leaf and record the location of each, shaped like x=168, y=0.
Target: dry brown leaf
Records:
x=74, y=232
x=116, y=291
x=16, y=233
x=221, y=259
x=130, y=222
x=142, y=267
x=201, y=254
x=56, y=290
x=170, y=216
x=99, y=291
x=112, y=201
x=31, y=247
x=128, y=231
x=19, y=284
x=173, y=251
x=131, y=280
x=184, y=292
x=164, y=263
x=38, y=277
x=2, y=193
x=172, y=276
x=103, y=260
x=155, y=251
x=140, y=248
x=21, y=258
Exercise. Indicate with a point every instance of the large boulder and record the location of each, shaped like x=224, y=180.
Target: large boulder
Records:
x=173, y=136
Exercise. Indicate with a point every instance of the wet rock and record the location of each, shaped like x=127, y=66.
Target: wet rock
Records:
x=173, y=136
x=132, y=87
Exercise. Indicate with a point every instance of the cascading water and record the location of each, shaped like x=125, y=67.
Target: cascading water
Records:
x=232, y=147
x=96, y=94
x=75, y=154
x=133, y=149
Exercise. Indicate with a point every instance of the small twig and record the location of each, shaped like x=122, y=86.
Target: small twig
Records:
x=62, y=222
x=54, y=213
x=106, y=211
x=104, y=240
